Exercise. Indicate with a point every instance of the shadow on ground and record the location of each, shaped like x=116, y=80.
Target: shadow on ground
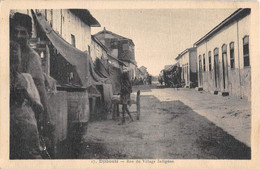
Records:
x=169, y=130
x=143, y=88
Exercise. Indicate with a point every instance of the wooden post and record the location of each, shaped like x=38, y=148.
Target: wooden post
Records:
x=138, y=106
x=47, y=55
x=117, y=110
x=93, y=105
x=114, y=109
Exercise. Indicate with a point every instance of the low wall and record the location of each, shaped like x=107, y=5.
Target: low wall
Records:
x=70, y=115
x=59, y=114
x=237, y=87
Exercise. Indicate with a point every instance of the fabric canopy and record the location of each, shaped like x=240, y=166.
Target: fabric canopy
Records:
x=81, y=60
x=101, y=67
x=114, y=73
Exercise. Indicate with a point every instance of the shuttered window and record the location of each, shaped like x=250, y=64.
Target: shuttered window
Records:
x=200, y=65
x=246, y=51
x=125, y=46
x=73, y=40
x=210, y=68
x=204, y=63
x=232, y=55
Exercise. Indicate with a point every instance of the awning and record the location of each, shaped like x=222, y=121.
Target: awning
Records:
x=82, y=61
x=101, y=67
x=111, y=72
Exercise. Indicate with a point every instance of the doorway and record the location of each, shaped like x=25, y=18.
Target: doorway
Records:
x=216, y=68
x=224, y=66
x=200, y=72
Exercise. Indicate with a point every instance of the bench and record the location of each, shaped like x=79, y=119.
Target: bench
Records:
x=134, y=100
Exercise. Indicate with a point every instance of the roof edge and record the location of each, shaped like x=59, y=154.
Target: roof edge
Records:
x=92, y=22
x=184, y=52
x=242, y=11
x=109, y=32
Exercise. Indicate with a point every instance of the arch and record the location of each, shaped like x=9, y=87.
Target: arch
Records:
x=216, y=51
x=232, y=54
x=224, y=66
x=246, y=39
x=216, y=67
x=224, y=48
x=209, y=55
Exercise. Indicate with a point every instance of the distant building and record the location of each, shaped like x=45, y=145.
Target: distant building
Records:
x=167, y=67
x=188, y=62
x=120, y=48
x=223, y=56
x=143, y=69
x=142, y=72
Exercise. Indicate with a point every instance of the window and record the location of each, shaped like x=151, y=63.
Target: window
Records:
x=200, y=65
x=224, y=55
x=224, y=48
x=114, y=44
x=204, y=65
x=45, y=11
x=246, y=51
x=89, y=51
x=209, y=60
x=232, y=55
x=125, y=46
x=51, y=20
x=73, y=41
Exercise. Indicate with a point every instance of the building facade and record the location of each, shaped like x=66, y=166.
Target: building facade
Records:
x=73, y=26
x=223, y=57
x=142, y=72
x=120, y=48
x=188, y=62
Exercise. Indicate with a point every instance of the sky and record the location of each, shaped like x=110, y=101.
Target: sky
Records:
x=159, y=35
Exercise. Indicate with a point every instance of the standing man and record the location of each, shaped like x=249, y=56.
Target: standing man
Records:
x=20, y=32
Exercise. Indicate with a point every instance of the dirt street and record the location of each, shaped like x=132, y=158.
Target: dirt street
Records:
x=167, y=129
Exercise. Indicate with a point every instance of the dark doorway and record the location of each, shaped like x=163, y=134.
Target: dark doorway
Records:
x=216, y=68
x=224, y=66
x=200, y=72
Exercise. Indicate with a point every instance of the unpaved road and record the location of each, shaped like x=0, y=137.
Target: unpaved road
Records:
x=166, y=130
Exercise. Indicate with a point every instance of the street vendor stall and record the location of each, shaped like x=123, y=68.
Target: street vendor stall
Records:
x=74, y=72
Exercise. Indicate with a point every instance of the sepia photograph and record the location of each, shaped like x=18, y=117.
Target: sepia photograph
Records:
x=138, y=84
x=131, y=85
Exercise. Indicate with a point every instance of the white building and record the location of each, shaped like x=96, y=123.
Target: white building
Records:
x=74, y=27
x=223, y=56
x=188, y=62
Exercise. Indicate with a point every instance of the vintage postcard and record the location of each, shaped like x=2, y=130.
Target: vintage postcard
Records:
x=151, y=84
